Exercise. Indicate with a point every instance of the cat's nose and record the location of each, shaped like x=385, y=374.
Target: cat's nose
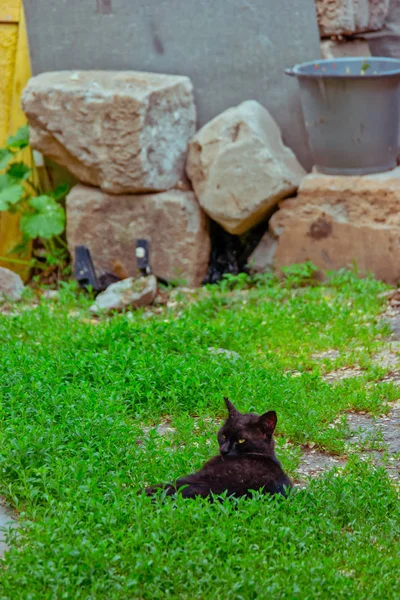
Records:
x=224, y=449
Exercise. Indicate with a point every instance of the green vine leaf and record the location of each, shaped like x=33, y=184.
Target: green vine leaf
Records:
x=20, y=139
x=10, y=195
x=19, y=171
x=6, y=181
x=47, y=220
x=5, y=157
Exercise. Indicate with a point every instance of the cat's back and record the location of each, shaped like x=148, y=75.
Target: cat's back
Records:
x=247, y=472
x=247, y=466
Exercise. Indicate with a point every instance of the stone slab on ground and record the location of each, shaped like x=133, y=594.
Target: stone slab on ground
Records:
x=125, y=132
x=11, y=285
x=385, y=429
x=6, y=520
x=315, y=462
x=394, y=325
x=240, y=168
x=128, y=293
x=232, y=51
x=172, y=222
x=365, y=431
x=336, y=220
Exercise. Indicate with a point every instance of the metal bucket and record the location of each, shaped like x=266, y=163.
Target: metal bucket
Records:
x=351, y=108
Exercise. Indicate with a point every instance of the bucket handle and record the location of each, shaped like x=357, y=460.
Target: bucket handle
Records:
x=290, y=72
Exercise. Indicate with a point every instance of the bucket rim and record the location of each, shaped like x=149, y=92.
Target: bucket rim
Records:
x=319, y=73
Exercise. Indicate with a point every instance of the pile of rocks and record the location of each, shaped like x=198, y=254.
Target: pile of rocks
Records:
x=124, y=136
x=129, y=138
x=335, y=221
x=342, y=24
x=144, y=173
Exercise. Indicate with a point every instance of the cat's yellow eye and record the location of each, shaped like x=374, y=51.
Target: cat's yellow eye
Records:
x=241, y=441
x=223, y=437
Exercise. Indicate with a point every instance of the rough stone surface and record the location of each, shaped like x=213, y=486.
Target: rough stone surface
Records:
x=338, y=17
x=128, y=293
x=11, y=285
x=121, y=131
x=363, y=426
x=314, y=463
x=378, y=13
x=365, y=434
x=337, y=220
x=335, y=17
x=392, y=313
x=172, y=222
x=240, y=168
x=395, y=327
x=262, y=258
x=341, y=49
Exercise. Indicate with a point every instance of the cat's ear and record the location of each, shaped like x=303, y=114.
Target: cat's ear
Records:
x=231, y=409
x=268, y=421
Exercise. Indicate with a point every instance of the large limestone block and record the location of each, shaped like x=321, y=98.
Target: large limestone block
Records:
x=335, y=221
x=172, y=222
x=335, y=17
x=338, y=17
x=122, y=131
x=240, y=168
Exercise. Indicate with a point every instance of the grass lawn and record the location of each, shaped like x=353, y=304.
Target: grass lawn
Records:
x=80, y=400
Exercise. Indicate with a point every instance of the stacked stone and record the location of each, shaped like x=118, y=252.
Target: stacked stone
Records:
x=240, y=168
x=129, y=139
x=342, y=23
x=124, y=136
x=336, y=221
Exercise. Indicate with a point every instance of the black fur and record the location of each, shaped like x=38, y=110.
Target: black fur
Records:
x=246, y=461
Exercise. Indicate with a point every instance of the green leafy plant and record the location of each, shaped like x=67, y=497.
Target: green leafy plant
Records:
x=299, y=275
x=42, y=214
x=234, y=282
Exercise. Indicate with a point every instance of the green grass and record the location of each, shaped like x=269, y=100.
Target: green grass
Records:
x=76, y=394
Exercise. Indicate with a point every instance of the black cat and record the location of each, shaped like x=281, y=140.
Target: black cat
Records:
x=246, y=462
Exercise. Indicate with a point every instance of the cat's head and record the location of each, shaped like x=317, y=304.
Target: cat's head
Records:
x=247, y=433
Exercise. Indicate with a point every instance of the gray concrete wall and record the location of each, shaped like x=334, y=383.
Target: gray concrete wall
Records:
x=233, y=50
